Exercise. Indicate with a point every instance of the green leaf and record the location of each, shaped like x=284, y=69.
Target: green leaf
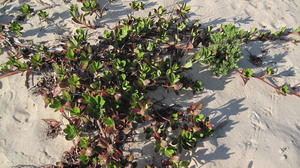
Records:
x=106, y=34
x=71, y=132
x=59, y=71
x=174, y=78
x=56, y=104
x=93, y=4
x=269, y=71
x=67, y=96
x=150, y=46
x=169, y=152
x=70, y=53
x=86, y=4
x=15, y=28
x=84, y=142
x=75, y=111
x=135, y=5
x=43, y=15
x=198, y=86
x=84, y=159
x=74, y=81
x=175, y=116
x=109, y=122
x=26, y=9
x=184, y=164
x=160, y=10
x=95, y=66
x=181, y=26
x=247, y=72
x=253, y=30
x=297, y=29
x=123, y=77
x=200, y=117
x=284, y=89
x=97, y=101
x=187, y=65
x=36, y=59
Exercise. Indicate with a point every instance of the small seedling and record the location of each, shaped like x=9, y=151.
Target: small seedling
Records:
x=26, y=10
x=89, y=7
x=16, y=28
x=71, y=132
x=74, y=81
x=160, y=11
x=280, y=32
x=43, y=15
x=183, y=10
x=79, y=18
x=284, y=89
x=36, y=60
x=269, y=72
x=247, y=72
x=136, y=5
x=198, y=86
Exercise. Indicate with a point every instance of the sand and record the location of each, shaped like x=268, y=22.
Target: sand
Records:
x=259, y=129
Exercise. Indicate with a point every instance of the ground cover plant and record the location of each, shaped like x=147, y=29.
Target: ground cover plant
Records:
x=89, y=8
x=102, y=89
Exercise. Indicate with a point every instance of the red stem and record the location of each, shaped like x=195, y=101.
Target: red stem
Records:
x=9, y=74
x=268, y=83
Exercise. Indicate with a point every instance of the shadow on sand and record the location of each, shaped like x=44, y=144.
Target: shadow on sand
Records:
x=220, y=117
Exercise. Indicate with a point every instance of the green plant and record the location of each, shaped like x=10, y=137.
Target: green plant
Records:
x=2, y=29
x=135, y=5
x=26, y=10
x=247, y=72
x=192, y=128
x=221, y=51
x=43, y=15
x=297, y=30
x=101, y=89
x=36, y=60
x=183, y=10
x=71, y=132
x=198, y=86
x=89, y=6
x=79, y=18
x=16, y=28
x=284, y=89
x=269, y=72
x=12, y=64
x=280, y=32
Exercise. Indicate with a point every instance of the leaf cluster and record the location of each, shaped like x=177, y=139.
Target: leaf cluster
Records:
x=26, y=11
x=88, y=8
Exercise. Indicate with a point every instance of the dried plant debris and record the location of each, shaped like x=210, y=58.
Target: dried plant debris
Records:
x=54, y=128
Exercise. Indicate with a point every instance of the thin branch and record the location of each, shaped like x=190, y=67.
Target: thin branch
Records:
x=9, y=74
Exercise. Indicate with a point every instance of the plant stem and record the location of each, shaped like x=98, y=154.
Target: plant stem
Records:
x=9, y=74
x=268, y=83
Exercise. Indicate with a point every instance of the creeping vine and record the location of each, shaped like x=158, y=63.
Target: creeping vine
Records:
x=102, y=89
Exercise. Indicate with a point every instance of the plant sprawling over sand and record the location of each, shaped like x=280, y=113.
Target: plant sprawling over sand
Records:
x=102, y=89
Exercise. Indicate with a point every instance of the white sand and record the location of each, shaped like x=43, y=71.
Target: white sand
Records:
x=261, y=128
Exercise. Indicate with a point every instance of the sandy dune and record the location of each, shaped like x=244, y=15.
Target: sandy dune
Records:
x=259, y=129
